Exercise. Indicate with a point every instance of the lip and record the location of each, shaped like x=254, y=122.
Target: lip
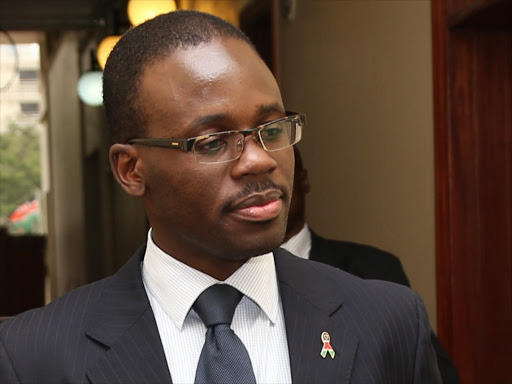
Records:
x=259, y=207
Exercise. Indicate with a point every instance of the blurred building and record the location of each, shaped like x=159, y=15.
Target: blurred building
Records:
x=22, y=95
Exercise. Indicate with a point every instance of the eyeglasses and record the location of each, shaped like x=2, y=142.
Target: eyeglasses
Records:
x=222, y=147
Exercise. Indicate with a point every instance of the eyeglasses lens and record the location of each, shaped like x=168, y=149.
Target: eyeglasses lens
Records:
x=227, y=146
x=219, y=148
x=281, y=134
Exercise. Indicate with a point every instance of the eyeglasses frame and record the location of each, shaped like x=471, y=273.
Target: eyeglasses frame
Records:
x=187, y=145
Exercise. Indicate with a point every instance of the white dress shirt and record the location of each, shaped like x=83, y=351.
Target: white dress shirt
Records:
x=173, y=287
x=300, y=244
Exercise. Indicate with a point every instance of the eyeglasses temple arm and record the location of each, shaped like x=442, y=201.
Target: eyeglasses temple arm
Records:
x=183, y=144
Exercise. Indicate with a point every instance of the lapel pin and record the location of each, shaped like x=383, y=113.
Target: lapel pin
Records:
x=327, y=348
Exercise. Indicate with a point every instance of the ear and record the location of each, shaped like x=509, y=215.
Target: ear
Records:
x=127, y=168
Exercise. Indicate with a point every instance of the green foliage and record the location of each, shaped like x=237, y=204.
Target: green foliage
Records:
x=20, y=172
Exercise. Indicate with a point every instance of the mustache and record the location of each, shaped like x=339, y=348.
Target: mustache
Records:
x=251, y=188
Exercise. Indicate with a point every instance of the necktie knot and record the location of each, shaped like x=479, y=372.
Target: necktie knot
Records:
x=217, y=304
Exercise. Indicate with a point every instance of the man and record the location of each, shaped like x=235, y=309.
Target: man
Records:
x=207, y=300
x=357, y=259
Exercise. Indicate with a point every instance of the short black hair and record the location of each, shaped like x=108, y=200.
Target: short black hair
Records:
x=142, y=46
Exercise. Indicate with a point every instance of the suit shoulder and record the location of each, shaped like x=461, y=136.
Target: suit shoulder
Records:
x=362, y=250
x=339, y=276
x=365, y=261
x=382, y=299
x=62, y=313
x=374, y=298
x=380, y=302
x=313, y=271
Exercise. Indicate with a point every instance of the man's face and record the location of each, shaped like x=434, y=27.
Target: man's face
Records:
x=229, y=211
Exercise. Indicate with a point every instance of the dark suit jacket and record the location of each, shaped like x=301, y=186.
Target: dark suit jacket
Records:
x=372, y=263
x=105, y=332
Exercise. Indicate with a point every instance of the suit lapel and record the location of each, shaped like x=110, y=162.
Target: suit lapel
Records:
x=311, y=308
x=126, y=328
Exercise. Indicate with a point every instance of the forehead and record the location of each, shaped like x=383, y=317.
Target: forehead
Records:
x=224, y=76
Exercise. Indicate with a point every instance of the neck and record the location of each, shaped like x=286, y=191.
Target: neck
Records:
x=216, y=267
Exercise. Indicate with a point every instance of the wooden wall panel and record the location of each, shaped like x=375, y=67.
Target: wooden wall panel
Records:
x=493, y=114
x=473, y=130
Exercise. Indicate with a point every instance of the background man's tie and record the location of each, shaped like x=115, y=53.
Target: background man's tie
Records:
x=224, y=358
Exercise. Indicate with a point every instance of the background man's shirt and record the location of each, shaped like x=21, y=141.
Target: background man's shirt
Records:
x=300, y=244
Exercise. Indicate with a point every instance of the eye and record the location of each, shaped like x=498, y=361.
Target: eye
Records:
x=272, y=133
x=210, y=145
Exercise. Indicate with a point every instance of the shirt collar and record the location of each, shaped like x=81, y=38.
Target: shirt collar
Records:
x=176, y=286
x=300, y=244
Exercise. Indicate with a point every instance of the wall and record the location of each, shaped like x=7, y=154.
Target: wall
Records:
x=361, y=71
x=66, y=251
x=115, y=223
x=94, y=227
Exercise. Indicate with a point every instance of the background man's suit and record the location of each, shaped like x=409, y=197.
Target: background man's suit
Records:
x=371, y=263
x=105, y=332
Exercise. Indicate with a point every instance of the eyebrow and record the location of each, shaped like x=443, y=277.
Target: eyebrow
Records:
x=270, y=108
x=229, y=118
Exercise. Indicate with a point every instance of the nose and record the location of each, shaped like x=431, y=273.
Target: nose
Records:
x=254, y=160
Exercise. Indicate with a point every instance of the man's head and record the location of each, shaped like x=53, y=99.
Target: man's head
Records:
x=195, y=75
x=142, y=46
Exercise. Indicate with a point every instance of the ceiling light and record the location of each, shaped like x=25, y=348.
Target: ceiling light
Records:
x=140, y=11
x=90, y=88
x=104, y=49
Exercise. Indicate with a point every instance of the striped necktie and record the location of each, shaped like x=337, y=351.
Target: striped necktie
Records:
x=224, y=358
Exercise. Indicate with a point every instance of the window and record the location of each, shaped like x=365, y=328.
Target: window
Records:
x=29, y=108
x=29, y=75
